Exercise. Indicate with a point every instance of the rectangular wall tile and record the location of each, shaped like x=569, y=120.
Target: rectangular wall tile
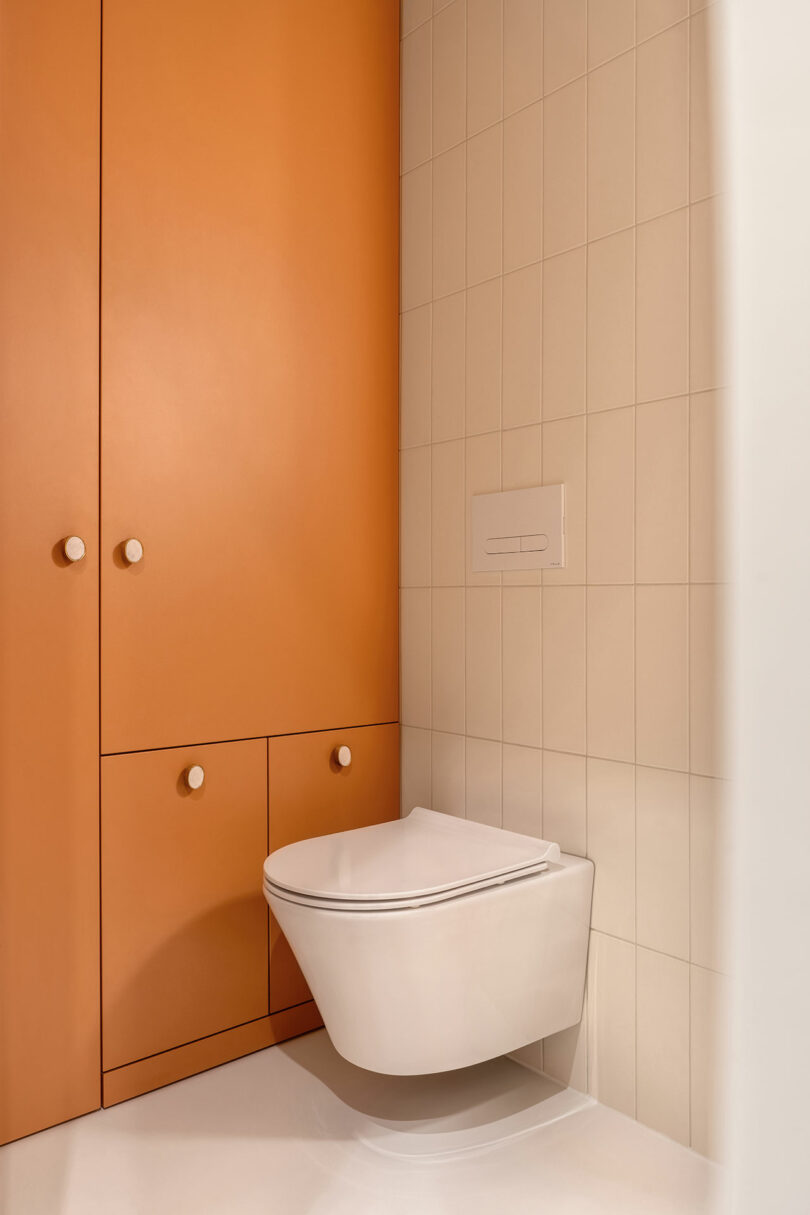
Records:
x=414, y=517
x=523, y=790
x=662, y=677
x=565, y=1055
x=612, y=1023
x=611, y=29
x=447, y=660
x=448, y=774
x=416, y=258
x=414, y=681
x=610, y=673
x=483, y=356
x=449, y=77
x=522, y=666
x=483, y=781
x=564, y=335
x=414, y=376
x=522, y=187
x=612, y=321
x=708, y=1039
x=662, y=491
x=652, y=16
x=564, y=464
x=706, y=488
x=611, y=145
x=522, y=462
x=706, y=682
x=705, y=277
x=662, y=860
x=530, y=1056
x=564, y=801
x=662, y=123
x=565, y=35
x=610, y=508
x=484, y=64
x=564, y=668
x=448, y=368
x=708, y=882
x=414, y=769
x=483, y=476
x=704, y=104
x=415, y=111
x=449, y=202
x=447, y=530
x=483, y=680
x=484, y=204
x=564, y=157
x=662, y=307
x=663, y=1044
x=612, y=846
x=522, y=53
x=413, y=13
x=522, y=346
x=522, y=468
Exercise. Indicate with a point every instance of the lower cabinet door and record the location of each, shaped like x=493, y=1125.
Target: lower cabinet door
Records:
x=312, y=794
x=184, y=921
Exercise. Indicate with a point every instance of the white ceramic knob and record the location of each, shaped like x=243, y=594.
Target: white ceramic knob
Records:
x=195, y=775
x=74, y=548
x=133, y=551
x=343, y=756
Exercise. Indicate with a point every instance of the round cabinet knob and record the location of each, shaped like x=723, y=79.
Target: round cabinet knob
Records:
x=343, y=756
x=133, y=551
x=74, y=548
x=195, y=775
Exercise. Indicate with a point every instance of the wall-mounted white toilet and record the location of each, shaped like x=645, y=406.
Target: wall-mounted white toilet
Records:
x=433, y=942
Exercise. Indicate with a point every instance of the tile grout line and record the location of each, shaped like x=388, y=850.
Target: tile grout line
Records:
x=480, y=434
x=464, y=486
x=430, y=432
x=503, y=243
x=559, y=253
x=689, y=30
x=635, y=564
x=587, y=494
x=635, y=560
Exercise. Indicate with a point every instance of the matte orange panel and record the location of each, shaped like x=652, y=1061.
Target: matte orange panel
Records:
x=159, y=1070
x=310, y=795
x=49, y=985
x=184, y=923
x=249, y=367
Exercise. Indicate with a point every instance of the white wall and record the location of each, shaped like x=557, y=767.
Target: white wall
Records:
x=769, y=129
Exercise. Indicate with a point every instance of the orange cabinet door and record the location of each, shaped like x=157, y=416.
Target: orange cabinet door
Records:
x=249, y=368
x=184, y=923
x=49, y=984
x=311, y=795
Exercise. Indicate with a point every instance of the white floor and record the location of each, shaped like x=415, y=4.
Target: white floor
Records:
x=295, y=1130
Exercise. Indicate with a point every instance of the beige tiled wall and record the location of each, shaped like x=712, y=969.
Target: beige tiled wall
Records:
x=559, y=222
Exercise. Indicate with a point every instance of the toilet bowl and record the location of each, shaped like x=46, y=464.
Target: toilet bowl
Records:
x=431, y=942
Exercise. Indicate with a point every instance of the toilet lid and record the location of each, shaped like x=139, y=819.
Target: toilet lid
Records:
x=422, y=858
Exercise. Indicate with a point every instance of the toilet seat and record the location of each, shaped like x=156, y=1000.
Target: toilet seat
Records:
x=423, y=859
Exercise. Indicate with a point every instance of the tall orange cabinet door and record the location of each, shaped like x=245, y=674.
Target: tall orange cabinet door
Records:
x=184, y=922
x=311, y=794
x=249, y=367
x=49, y=104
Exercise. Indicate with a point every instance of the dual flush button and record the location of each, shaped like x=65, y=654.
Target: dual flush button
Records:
x=516, y=544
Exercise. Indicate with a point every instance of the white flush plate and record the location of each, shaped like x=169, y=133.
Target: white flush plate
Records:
x=523, y=529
